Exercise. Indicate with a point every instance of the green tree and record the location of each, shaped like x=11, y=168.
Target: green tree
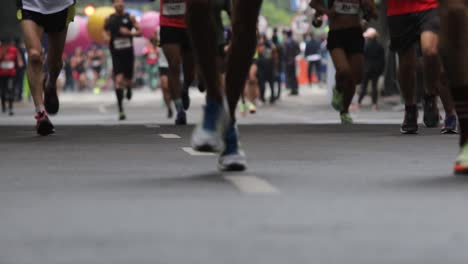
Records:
x=277, y=14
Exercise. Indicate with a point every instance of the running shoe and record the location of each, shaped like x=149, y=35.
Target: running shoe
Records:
x=43, y=125
x=186, y=99
x=450, y=125
x=201, y=87
x=243, y=109
x=208, y=136
x=181, y=118
x=346, y=119
x=232, y=158
x=51, y=101
x=410, y=123
x=461, y=164
x=431, y=112
x=122, y=116
x=252, y=108
x=337, y=100
x=129, y=93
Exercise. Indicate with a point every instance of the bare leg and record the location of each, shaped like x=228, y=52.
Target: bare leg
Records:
x=407, y=75
x=54, y=55
x=344, y=77
x=174, y=56
x=32, y=34
x=200, y=21
x=244, y=23
x=454, y=14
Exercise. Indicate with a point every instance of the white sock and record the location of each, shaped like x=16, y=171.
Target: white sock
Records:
x=39, y=109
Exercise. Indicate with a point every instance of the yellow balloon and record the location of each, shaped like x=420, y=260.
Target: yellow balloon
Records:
x=96, y=23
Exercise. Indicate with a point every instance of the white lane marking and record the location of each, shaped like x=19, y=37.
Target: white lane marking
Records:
x=169, y=136
x=102, y=109
x=193, y=152
x=252, y=185
x=152, y=126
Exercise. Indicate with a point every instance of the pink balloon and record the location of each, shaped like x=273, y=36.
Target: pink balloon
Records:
x=149, y=23
x=139, y=46
x=82, y=39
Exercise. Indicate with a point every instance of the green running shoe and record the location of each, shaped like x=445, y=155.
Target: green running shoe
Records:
x=461, y=164
x=346, y=119
x=337, y=100
x=122, y=116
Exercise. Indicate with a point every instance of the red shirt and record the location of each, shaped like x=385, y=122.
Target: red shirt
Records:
x=173, y=13
x=8, y=62
x=401, y=7
x=151, y=55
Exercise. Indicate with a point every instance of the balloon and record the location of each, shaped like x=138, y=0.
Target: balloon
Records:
x=73, y=31
x=149, y=22
x=96, y=23
x=81, y=38
x=139, y=46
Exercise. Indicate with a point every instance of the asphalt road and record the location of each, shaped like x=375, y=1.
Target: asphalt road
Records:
x=314, y=193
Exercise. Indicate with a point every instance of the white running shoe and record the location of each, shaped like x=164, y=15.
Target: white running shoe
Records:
x=208, y=136
x=232, y=158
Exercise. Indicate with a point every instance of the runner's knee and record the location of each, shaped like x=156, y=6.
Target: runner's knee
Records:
x=35, y=57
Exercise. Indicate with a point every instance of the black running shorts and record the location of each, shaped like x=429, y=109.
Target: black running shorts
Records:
x=174, y=35
x=123, y=62
x=52, y=23
x=406, y=30
x=348, y=39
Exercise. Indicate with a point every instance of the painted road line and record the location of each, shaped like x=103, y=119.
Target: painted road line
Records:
x=193, y=152
x=169, y=136
x=252, y=185
x=152, y=126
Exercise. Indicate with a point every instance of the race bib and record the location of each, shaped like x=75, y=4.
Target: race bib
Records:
x=174, y=9
x=7, y=65
x=347, y=7
x=152, y=56
x=122, y=43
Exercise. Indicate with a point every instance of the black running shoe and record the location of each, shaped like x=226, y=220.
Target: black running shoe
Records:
x=410, y=123
x=186, y=99
x=43, y=126
x=201, y=87
x=181, y=119
x=431, y=112
x=122, y=116
x=129, y=94
x=450, y=125
x=51, y=101
x=170, y=113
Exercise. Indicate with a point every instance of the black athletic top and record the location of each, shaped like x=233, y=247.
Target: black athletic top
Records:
x=119, y=42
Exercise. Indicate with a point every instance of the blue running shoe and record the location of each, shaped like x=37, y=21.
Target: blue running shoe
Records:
x=207, y=137
x=232, y=158
x=450, y=125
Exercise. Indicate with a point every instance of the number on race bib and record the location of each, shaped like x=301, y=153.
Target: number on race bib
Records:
x=122, y=43
x=174, y=9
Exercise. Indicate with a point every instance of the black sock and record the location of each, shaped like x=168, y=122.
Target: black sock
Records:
x=120, y=95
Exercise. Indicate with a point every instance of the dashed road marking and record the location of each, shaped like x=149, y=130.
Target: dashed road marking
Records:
x=193, y=152
x=252, y=184
x=170, y=136
x=152, y=126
